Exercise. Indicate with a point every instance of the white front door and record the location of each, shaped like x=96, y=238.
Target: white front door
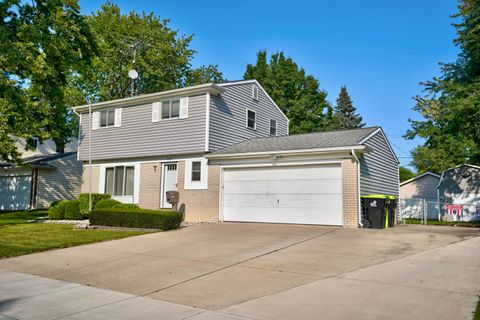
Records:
x=169, y=182
x=289, y=194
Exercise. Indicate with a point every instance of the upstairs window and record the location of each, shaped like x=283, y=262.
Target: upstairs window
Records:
x=196, y=171
x=273, y=127
x=254, y=92
x=171, y=109
x=251, y=119
x=32, y=144
x=107, y=118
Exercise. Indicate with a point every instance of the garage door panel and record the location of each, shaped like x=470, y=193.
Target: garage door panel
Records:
x=282, y=215
x=280, y=173
x=284, y=186
x=15, y=192
x=288, y=194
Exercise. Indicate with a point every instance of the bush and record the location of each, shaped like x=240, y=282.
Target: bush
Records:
x=106, y=203
x=95, y=198
x=136, y=218
x=57, y=212
x=72, y=210
x=54, y=203
x=126, y=206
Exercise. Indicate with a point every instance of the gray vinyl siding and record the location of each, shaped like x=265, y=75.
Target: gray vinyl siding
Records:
x=61, y=183
x=378, y=168
x=138, y=136
x=228, y=116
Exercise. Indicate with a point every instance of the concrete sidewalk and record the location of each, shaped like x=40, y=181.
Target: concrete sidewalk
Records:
x=24, y=296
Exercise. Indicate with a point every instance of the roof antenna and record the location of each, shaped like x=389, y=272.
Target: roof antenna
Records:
x=132, y=73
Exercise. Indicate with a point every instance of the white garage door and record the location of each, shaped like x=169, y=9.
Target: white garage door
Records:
x=14, y=192
x=293, y=194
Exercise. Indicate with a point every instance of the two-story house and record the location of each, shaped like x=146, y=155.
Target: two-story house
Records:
x=225, y=148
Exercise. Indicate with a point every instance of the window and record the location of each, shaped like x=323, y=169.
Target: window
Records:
x=196, y=171
x=273, y=127
x=119, y=180
x=254, y=92
x=251, y=119
x=32, y=144
x=107, y=118
x=171, y=109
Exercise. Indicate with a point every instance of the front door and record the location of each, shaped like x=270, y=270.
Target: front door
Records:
x=169, y=182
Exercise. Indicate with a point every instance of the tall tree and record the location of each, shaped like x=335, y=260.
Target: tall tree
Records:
x=42, y=42
x=204, y=74
x=297, y=94
x=345, y=116
x=405, y=173
x=450, y=106
x=144, y=42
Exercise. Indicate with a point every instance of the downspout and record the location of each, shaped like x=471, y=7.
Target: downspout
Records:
x=359, y=204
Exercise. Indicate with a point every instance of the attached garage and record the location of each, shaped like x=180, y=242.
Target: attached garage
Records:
x=315, y=178
x=15, y=192
x=305, y=194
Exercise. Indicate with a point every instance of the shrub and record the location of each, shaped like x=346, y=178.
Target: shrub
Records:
x=72, y=210
x=95, y=198
x=54, y=203
x=106, y=203
x=126, y=206
x=57, y=212
x=136, y=218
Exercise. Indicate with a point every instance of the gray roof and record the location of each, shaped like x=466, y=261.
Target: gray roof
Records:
x=317, y=140
x=38, y=160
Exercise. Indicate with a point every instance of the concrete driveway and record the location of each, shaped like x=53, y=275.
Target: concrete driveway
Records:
x=264, y=271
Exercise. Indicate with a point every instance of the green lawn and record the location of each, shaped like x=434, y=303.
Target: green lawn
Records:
x=18, y=236
x=444, y=223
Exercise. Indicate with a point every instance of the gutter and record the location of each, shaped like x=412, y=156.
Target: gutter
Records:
x=359, y=205
x=284, y=152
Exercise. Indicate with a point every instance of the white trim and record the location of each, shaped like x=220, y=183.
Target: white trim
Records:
x=126, y=162
x=246, y=119
x=156, y=109
x=136, y=181
x=359, y=202
x=260, y=86
x=418, y=177
x=118, y=117
x=207, y=123
x=148, y=98
x=196, y=185
x=280, y=164
x=379, y=129
x=280, y=152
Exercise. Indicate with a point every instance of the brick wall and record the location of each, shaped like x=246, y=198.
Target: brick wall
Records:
x=150, y=184
x=350, y=194
x=86, y=176
x=200, y=205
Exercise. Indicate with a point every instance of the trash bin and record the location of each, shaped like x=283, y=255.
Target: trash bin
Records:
x=378, y=211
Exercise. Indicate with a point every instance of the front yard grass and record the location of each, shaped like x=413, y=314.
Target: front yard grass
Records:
x=18, y=236
x=444, y=223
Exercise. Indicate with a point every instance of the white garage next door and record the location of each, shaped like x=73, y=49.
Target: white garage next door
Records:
x=14, y=192
x=288, y=194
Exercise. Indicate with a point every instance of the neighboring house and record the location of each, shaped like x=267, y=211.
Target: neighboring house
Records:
x=44, y=176
x=46, y=148
x=225, y=148
x=423, y=186
x=460, y=185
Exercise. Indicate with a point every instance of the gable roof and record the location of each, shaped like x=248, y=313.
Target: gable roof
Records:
x=344, y=139
x=420, y=176
x=237, y=82
x=38, y=160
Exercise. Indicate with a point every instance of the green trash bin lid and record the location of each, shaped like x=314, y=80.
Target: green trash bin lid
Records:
x=379, y=196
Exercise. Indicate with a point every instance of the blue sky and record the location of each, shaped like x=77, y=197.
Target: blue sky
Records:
x=380, y=50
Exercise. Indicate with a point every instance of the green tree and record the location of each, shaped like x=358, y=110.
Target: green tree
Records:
x=450, y=106
x=42, y=42
x=143, y=42
x=297, y=94
x=345, y=116
x=204, y=74
x=405, y=173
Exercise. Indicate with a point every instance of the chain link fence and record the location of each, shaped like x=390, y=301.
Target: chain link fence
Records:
x=429, y=211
